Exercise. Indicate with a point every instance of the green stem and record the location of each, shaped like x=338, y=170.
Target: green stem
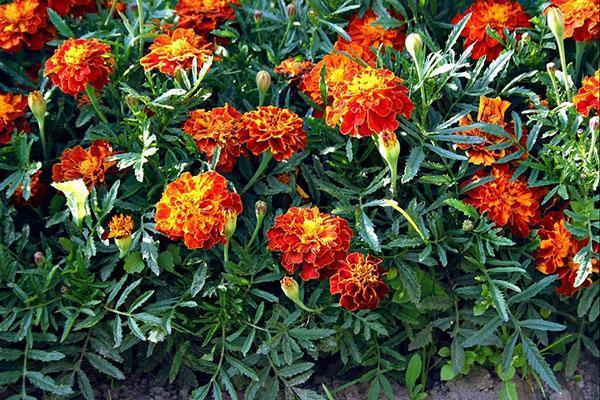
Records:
x=226, y=251
x=303, y=306
x=555, y=87
x=141, y=24
x=43, y=138
x=94, y=100
x=579, y=50
x=394, y=177
x=255, y=232
x=264, y=162
x=563, y=65
x=111, y=12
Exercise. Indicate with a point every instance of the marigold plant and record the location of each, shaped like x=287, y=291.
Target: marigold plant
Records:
x=91, y=165
x=12, y=115
x=587, y=99
x=582, y=19
x=24, y=23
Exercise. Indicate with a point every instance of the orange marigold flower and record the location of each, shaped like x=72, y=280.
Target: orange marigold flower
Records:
x=508, y=203
x=24, y=23
x=120, y=226
x=37, y=192
x=204, y=16
x=359, y=280
x=491, y=111
x=217, y=128
x=195, y=209
x=293, y=68
x=273, y=129
x=91, y=165
x=310, y=241
x=76, y=8
x=369, y=103
x=588, y=97
x=12, y=115
x=79, y=62
x=366, y=34
x=175, y=51
x=582, y=18
x=497, y=15
x=338, y=68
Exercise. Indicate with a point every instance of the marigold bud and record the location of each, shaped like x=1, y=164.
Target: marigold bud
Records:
x=230, y=225
x=291, y=10
x=132, y=102
x=123, y=244
x=290, y=288
x=467, y=225
x=39, y=258
x=37, y=104
x=551, y=68
x=76, y=193
x=260, y=208
x=263, y=81
x=556, y=21
x=389, y=148
x=594, y=123
x=415, y=47
x=257, y=15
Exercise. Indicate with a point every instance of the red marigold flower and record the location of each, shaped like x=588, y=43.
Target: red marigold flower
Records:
x=24, y=23
x=497, y=15
x=508, y=203
x=90, y=165
x=204, y=16
x=359, y=280
x=582, y=19
x=176, y=51
x=311, y=241
x=588, y=97
x=12, y=115
x=37, y=192
x=78, y=62
x=76, y=8
x=120, y=226
x=273, y=129
x=217, y=128
x=195, y=209
x=369, y=103
x=366, y=34
x=491, y=111
x=293, y=68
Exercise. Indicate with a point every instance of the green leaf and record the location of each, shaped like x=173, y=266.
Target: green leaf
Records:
x=104, y=366
x=573, y=359
x=413, y=163
x=508, y=391
x=134, y=263
x=366, y=229
x=9, y=377
x=117, y=331
x=447, y=372
x=541, y=325
x=538, y=364
x=199, y=279
x=126, y=292
x=457, y=355
x=45, y=356
x=84, y=385
x=243, y=368
x=467, y=209
x=484, y=333
x=499, y=302
x=413, y=371
x=532, y=290
x=47, y=384
x=60, y=24
x=311, y=334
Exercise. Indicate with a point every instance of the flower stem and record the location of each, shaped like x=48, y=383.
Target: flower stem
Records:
x=140, y=7
x=255, y=232
x=226, y=251
x=563, y=65
x=579, y=50
x=43, y=138
x=92, y=96
x=264, y=162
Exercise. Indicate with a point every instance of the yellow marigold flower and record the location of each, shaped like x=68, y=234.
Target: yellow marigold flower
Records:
x=120, y=226
x=582, y=18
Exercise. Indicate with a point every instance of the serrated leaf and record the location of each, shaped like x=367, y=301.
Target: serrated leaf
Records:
x=47, y=384
x=103, y=365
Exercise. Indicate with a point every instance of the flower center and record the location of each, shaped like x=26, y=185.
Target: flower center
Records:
x=365, y=272
x=89, y=166
x=75, y=55
x=366, y=82
x=179, y=47
x=496, y=15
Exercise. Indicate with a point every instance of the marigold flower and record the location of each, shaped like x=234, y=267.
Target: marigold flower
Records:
x=90, y=165
x=195, y=209
x=491, y=111
x=508, y=203
x=204, y=16
x=293, y=68
x=497, y=15
x=310, y=241
x=120, y=226
x=273, y=129
x=76, y=193
x=79, y=62
x=12, y=115
x=176, y=51
x=367, y=34
x=582, y=19
x=588, y=97
x=359, y=280
x=369, y=103
x=76, y=8
x=217, y=128
x=37, y=192
x=24, y=23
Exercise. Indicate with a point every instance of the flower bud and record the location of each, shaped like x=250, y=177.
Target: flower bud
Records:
x=290, y=288
x=260, y=208
x=230, y=224
x=123, y=244
x=76, y=193
x=257, y=15
x=551, y=68
x=263, y=81
x=132, y=103
x=37, y=104
x=389, y=148
x=156, y=335
x=467, y=225
x=556, y=21
x=594, y=123
x=415, y=47
x=291, y=10
x=526, y=37
x=39, y=258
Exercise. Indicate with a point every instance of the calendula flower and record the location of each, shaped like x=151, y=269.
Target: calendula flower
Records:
x=293, y=68
x=216, y=128
x=90, y=165
x=24, y=23
x=491, y=111
x=587, y=98
x=12, y=115
x=79, y=62
x=76, y=193
x=496, y=15
x=37, y=192
x=310, y=241
x=196, y=209
x=204, y=16
x=76, y=8
x=369, y=103
x=368, y=35
x=582, y=19
x=338, y=68
x=508, y=203
x=120, y=228
x=273, y=129
x=359, y=280
x=175, y=51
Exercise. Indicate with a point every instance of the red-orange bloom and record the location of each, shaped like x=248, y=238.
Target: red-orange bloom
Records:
x=195, y=209
x=120, y=226
x=491, y=111
x=359, y=280
x=497, y=15
x=91, y=165
x=76, y=8
x=310, y=241
x=293, y=68
x=37, y=192
x=588, y=97
x=24, y=23
x=204, y=16
x=217, y=128
x=367, y=34
x=508, y=203
x=176, y=51
x=273, y=129
x=369, y=103
x=79, y=62
x=12, y=115
x=582, y=18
